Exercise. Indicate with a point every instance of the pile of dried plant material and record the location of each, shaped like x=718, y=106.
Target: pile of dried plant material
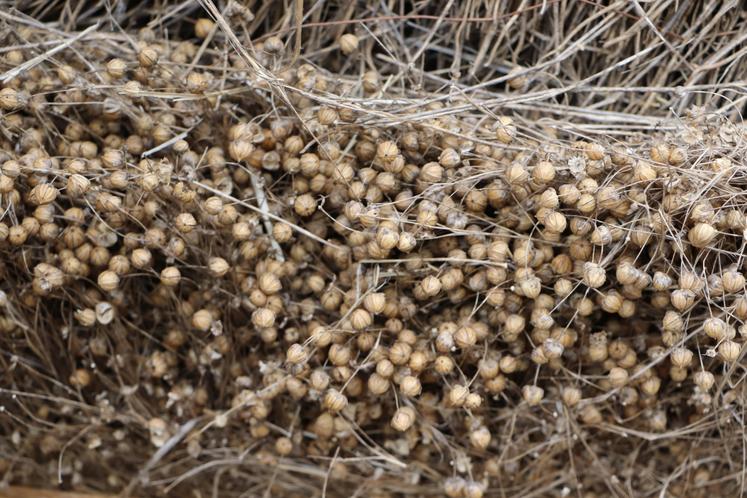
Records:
x=380, y=258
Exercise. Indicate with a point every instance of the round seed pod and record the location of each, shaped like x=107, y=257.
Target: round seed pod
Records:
x=108, y=280
x=374, y=302
x=555, y=222
x=185, y=222
x=430, y=286
x=618, y=377
x=704, y=380
x=77, y=185
x=41, y=194
x=465, y=337
x=594, y=275
x=361, y=319
x=263, y=318
x=203, y=27
x=431, y=173
x=651, y=386
x=701, y=235
x=105, y=312
x=505, y=130
x=334, y=400
x=410, y=386
x=457, y=395
x=81, y=378
x=348, y=43
x=571, y=396
x=377, y=384
x=202, y=320
x=218, y=267
x=544, y=172
x=715, y=328
x=296, y=354
x=403, y=418
x=305, y=205
x=170, y=276
x=590, y=415
x=273, y=45
x=283, y=446
x=681, y=357
x=141, y=258
x=12, y=100
x=729, y=351
x=86, y=317
x=454, y=487
x=480, y=438
x=147, y=57
x=532, y=394
x=326, y=115
x=733, y=281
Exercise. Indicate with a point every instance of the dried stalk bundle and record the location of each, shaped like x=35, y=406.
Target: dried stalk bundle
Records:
x=233, y=269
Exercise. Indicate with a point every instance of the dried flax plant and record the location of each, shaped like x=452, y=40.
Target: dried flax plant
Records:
x=373, y=248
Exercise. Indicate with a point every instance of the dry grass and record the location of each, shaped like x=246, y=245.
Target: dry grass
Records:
x=624, y=75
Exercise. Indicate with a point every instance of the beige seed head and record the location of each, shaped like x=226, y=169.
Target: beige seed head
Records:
x=218, y=267
x=147, y=57
x=41, y=194
x=283, y=446
x=377, y=384
x=387, y=151
x=202, y=320
x=305, y=205
x=594, y=275
x=681, y=357
x=571, y=396
x=12, y=100
x=729, y=351
x=108, y=280
x=203, y=27
x=410, y=386
x=590, y=415
x=555, y=222
x=274, y=45
x=715, y=328
x=457, y=395
x=170, y=276
x=348, y=43
x=77, y=185
x=618, y=377
x=334, y=400
x=733, y=281
x=326, y=115
x=505, y=130
x=431, y=286
x=532, y=394
x=360, y=319
x=704, y=380
x=141, y=258
x=374, y=302
x=403, y=418
x=86, y=317
x=296, y=354
x=81, y=378
x=701, y=235
x=465, y=337
x=263, y=318
x=480, y=438
x=651, y=386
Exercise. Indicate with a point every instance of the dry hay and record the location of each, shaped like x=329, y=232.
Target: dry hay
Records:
x=495, y=250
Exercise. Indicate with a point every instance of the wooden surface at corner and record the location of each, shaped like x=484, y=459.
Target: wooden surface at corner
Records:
x=22, y=492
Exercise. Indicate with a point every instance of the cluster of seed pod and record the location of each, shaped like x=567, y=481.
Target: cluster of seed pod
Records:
x=306, y=278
